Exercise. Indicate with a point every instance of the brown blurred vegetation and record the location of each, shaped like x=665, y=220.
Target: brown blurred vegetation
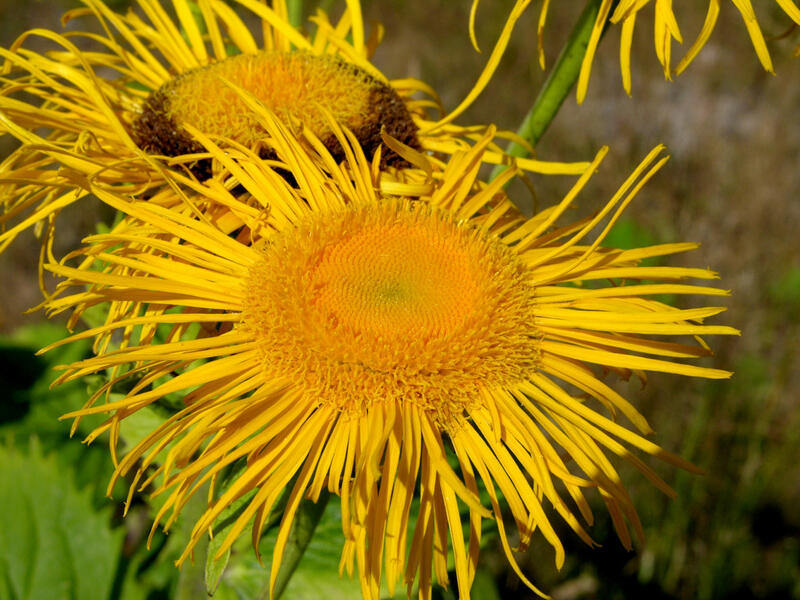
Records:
x=732, y=184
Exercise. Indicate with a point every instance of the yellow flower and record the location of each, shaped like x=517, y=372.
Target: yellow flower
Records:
x=111, y=110
x=665, y=31
x=370, y=345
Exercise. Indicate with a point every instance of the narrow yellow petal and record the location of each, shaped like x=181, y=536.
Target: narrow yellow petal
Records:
x=591, y=49
x=189, y=26
x=625, y=41
x=753, y=29
x=491, y=65
x=613, y=359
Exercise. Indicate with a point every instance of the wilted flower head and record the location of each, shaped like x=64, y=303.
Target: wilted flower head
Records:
x=125, y=112
x=391, y=351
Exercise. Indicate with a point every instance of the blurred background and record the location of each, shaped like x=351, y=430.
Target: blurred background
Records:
x=733, y=184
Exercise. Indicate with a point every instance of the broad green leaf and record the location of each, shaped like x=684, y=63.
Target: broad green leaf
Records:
x=54, y=544
x=141, y=574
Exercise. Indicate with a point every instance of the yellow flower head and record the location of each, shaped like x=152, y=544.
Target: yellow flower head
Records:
x=126, y=113
x=367, y=345
x=294, y=85
x=665, y=31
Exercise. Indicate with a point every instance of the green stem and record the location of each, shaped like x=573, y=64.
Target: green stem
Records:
x=557, y=86
x=295, y=8
x=308, y=516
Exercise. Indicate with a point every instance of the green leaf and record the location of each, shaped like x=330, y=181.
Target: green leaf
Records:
x=216, y=568
x=31, y=408
x=305, y=523
x=54, y=544
x=137, y=426
x=316, y=575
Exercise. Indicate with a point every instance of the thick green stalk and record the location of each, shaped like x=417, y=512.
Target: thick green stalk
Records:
x=295, y=9
x=558, y=84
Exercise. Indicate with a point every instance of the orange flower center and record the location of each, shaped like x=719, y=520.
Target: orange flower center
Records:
x=382, y=283
x=392, y=302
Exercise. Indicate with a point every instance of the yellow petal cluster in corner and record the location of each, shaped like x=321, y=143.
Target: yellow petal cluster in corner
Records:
x=375, y=346
x=117, y=115
x=665, y=31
